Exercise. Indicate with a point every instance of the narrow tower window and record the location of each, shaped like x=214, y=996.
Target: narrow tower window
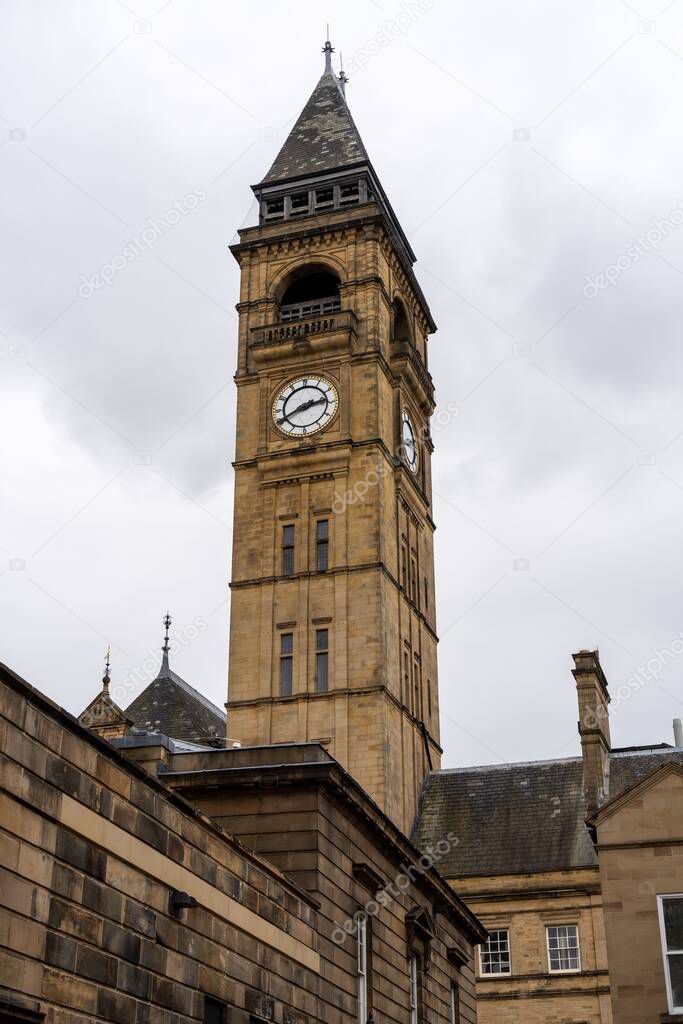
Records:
x=322, y=544
x=349, y=193
x=287, y=550
x=286, y=664
x=400, y=329
x=455, y=1003
x=299, y=203
x=414, y=990
x=324, y=198
x=406, y=678
x=322, y=650
x=362, y=1001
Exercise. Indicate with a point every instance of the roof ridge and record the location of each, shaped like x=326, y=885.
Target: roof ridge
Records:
x=505, y=765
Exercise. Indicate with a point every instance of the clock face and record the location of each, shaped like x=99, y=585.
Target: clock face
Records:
x=305, y=406
x=408, y=441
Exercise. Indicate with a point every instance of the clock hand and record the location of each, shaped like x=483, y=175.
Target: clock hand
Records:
x=302, y=408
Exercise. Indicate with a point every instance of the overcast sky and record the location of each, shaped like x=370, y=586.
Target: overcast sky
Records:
x=524, y=148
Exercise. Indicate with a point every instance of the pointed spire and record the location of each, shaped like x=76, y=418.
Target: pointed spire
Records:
x=324, y=137
x=164, y=660
x=105, y=678
x=328, y=50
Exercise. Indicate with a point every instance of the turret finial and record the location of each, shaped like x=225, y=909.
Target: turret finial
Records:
x=165, y=648
x=342, y=77
x=328, y=50
x=167, y=623
x=105, y=679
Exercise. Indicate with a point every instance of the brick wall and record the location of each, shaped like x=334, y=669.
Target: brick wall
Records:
x=90, y=849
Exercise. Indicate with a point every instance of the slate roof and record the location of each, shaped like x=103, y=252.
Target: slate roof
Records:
x=521, y=818
x=323, y=139
x=172, y=707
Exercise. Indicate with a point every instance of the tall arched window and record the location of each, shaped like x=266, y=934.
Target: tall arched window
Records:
x=313, y=291
x=400, y=330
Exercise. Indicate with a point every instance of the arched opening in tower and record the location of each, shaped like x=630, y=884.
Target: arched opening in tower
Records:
x=400, y=328
x=312, y=292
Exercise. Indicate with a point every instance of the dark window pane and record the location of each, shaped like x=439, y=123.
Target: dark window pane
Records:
x=321, y=672
x=214, y=1011
x=676, y=976
x=287, y=550
x=322, y=555
x=286, y=643
x=321, y=640
x=286, y=676
x=673, y=923
x=322, y=529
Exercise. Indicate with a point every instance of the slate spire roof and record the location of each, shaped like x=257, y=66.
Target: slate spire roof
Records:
x=324, y=137
x=173, y=708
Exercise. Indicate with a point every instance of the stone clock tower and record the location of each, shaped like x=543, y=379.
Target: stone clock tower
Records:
x=332, y=633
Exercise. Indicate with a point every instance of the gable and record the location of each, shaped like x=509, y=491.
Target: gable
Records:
x=651, y=811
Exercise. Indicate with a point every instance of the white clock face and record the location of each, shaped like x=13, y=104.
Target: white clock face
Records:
x=305, y=406
x=408, y=441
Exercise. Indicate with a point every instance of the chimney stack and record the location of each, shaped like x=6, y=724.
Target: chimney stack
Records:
x=593, y=697
x=678, y=733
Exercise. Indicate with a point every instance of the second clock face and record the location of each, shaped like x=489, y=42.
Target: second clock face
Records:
x=305, y=406
x=409, y=441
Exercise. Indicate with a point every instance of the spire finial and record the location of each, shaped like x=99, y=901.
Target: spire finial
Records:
x=165, y=647
x=167, y=623
x=342, y=77
x=328, y=50
x=105, y=679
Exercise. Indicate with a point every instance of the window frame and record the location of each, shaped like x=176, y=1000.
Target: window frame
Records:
x=455, y=1002
x=288, y=549
x=563, y=970
x=324, y=652
x=413, y=989
x=286, y=656
x=322, y=544
x=361, y=969
x=496, y=974
x=666, y=952
x=218, y=1005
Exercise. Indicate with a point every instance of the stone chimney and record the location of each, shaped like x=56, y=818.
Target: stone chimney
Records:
x=593, y=696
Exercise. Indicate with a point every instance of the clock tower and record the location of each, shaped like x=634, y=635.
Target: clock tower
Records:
x=333, y=632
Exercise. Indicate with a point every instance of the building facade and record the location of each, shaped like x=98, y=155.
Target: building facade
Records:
x=121, y=901
x=157, y=872
x=565, y=879
x=639, y=839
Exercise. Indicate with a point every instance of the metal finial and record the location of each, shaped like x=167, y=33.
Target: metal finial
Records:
x=167, y=624
x=342, y=77
x=105, y=679
x=328, y=50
